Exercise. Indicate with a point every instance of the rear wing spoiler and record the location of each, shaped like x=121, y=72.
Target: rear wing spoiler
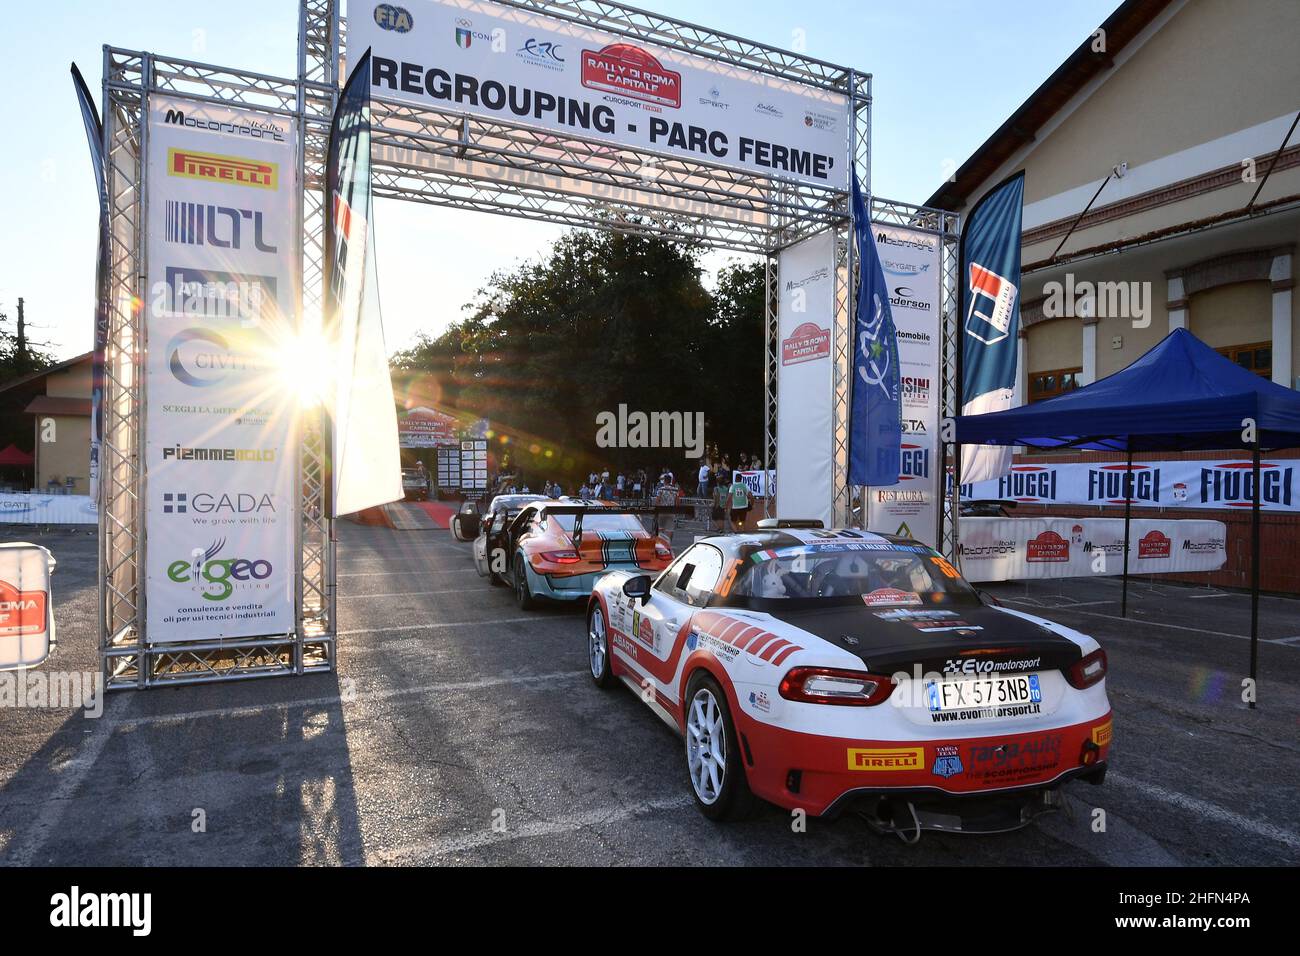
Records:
x=578, y=511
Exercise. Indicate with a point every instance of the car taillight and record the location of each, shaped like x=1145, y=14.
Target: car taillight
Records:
x=828, y=685
x=662, y=550
x=561, y=557
x=1087, y=670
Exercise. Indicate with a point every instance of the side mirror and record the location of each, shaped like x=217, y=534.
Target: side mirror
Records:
x=638, y=587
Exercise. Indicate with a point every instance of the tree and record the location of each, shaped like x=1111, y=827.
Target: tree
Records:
x=602, y=320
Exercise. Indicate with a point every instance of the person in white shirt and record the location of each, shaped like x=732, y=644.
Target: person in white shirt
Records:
x=702, y=486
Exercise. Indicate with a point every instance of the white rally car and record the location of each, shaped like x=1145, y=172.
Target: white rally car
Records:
x=825, y=669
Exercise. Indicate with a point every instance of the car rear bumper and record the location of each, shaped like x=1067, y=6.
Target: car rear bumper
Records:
x=577, y=587
x=824, y=774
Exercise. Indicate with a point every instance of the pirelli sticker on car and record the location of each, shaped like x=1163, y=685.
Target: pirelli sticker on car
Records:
x=889, y=758
x=1101, y=735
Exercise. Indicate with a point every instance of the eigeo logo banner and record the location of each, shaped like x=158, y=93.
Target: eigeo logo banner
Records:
x=910, y=261
x=219, y=423
x=505, y=63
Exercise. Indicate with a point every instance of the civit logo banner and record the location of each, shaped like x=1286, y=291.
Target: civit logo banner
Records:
x=803, y=423
x=502, y=63
x=1216, y=485
x=1013, y=549
x=910, y=261
x=220, y=443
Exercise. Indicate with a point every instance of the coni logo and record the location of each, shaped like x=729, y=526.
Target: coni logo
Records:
x=214, y=577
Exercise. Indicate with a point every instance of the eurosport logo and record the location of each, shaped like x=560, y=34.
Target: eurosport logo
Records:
x=217, y=168
x=1106, y=483
x=393, y=18
x=1232, y=485
x=217, y=578
x=200, y=224
x=183, y=453
x=631, y=71
x=915, y=462
x=211, y=294
x=231, y=504
x=904, y=297
x=1028, y=483
x=543, y=53
x=201, y=358
x=247, y=128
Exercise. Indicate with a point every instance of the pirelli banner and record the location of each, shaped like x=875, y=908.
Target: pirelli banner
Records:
x=1016, y=549
x=1218, y=485
x=220, y=445
x=504, y=63
x=910, y=261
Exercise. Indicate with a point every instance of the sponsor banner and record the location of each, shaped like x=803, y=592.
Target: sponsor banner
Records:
x=760, y=483
x=989, y=279
x=26, y=619
x=47, y=509
x=1013, y=549
x=803, y=425
x=427, y=428
x=504, y=63
x=1217, y=485
x=220, y=444
x=910, y=262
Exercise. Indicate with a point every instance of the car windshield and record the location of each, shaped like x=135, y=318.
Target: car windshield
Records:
x=593, y=521
x=876, y=575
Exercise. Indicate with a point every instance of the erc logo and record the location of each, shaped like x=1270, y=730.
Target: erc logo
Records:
x=213, y=167
x=893, y=758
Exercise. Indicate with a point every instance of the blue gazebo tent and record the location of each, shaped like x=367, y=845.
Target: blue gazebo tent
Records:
x=1180, y=396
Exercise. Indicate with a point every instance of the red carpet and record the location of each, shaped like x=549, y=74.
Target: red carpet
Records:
x=439, y=511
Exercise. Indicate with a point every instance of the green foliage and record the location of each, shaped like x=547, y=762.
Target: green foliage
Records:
x=604, y=319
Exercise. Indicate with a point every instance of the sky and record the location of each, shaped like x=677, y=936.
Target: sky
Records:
x=946, y=75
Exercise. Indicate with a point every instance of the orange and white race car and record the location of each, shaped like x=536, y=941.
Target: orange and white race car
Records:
x=556, y=549
x=825, y=669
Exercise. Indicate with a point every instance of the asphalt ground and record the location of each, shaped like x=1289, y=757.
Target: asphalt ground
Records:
x=459, y=730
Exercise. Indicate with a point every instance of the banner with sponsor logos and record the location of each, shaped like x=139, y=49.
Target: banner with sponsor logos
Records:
x=220, y=440
x=47, y=509
x=1156, y=484
x=504, y=63
x=1014, y=549
x=805, y=316
x=761, y=484
x=910, y=261
x=424, y=427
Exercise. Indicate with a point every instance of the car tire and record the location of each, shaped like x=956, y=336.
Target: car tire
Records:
x=523, y=596
x=598, y=652
x=720, y=787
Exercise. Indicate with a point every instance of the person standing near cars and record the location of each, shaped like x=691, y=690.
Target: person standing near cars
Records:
x=702, y=485
x=739, y=510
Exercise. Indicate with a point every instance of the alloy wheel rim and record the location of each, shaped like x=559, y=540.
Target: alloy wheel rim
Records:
x=706, y=746
x=597, y=640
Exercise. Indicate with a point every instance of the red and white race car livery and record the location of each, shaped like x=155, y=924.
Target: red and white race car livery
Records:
x=816, y=668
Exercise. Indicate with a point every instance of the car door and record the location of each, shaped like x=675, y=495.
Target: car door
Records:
x=481, y=544
x=674, y=597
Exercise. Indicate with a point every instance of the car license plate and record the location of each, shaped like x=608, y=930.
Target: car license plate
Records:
x=979, y=693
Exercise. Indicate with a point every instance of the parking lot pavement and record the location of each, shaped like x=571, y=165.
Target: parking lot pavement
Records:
x=460, y=730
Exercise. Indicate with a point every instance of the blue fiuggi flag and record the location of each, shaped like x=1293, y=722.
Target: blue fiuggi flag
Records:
x=990, y=290
x=876, y=421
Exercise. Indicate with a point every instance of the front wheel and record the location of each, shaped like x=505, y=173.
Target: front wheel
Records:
x=713, y=761
x=598, y=647
x=523, y=596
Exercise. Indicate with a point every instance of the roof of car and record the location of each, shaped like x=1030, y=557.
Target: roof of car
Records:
x=793, y=537
x=510, y=501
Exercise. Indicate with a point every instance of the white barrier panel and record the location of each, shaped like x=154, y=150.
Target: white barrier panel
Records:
x=26, y=606
x=503, y=63
x=910, y=260
x=220, y=444
x=804, y=433
x=1156, y=484
x=1015, y=549
x=47, y=509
